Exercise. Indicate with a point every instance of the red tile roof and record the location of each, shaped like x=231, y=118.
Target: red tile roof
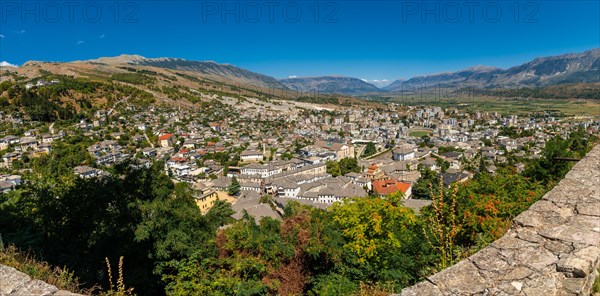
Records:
x=165, y=137
x=403, y=186
x=385, y=187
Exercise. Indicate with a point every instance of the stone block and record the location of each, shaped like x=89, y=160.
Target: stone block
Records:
x=573, y=266
x=590, y=209
x=36, y=288
x=461, y=279
x=569, y=233
x=423, y=288
x=11, y=279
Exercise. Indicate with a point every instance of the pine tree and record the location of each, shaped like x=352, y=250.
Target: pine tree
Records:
x=234, y=188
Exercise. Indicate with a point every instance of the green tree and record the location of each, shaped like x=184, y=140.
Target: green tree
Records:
x=488, y=204
x=174, y=224
x=333, y=168
x=444, y=165
x=547, y=169
x=370, y=149
x=342, y=167
x=348, y=165
x=234, y=188
x=429, y=180
x=381, y=238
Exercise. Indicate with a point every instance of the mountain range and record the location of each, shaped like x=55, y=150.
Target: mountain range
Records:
x=544, y=71
x=568, y=68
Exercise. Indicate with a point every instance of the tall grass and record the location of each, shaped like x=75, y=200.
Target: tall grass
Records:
x=596, y=287
x=25, y=262
x=442, y=227
x=121, y=290
x=62, y=278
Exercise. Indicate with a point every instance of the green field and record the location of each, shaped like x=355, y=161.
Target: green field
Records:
x=419, y=133
x=556, y=107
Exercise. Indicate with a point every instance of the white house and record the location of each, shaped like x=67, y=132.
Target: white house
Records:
x=263, y=170
x=404, y=152
x=86, y=171
x=251, y=156
x=180, y=170
x=287, y=189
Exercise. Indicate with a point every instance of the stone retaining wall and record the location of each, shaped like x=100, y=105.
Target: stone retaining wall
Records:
x=14, y=282
x=553, y=248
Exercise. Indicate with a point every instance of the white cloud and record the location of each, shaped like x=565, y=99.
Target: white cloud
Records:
x=80, y=42
x=20, y=32
x=102, y=36
x=1, y=36
x=292, y=76
x=7, y=64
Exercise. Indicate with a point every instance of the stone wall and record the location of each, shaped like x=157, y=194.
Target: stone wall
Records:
x=13, y=283
x=553, y=248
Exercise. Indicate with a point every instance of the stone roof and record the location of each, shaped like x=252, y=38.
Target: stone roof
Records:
x=286, y=183
x=254, y=208
x=5, y=185
x=338, y=187
x=416, y=204
x=449, y=178
x=82, y=169
x=221, y=182
x=251, y=153
x=404, y=149
x=282, y=201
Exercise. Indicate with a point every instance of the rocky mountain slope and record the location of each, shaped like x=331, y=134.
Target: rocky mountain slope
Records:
x=330, y=84
x=568, y=68
x=210, y=68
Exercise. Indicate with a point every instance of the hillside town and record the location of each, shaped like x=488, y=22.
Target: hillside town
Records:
x=259, y=156
x=152, y=148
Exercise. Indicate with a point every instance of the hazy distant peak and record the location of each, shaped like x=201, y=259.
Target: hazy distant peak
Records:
x=330, y=84
x=7, y=64
x=481, y=68
x=316, y=77
x=378, y=82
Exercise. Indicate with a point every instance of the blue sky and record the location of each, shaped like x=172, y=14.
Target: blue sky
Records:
x=374, y=40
